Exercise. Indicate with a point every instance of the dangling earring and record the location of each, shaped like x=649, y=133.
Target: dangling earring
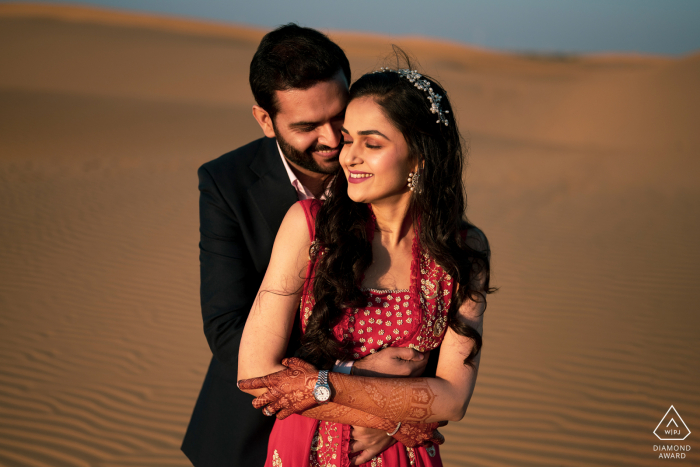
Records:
x=413, y=181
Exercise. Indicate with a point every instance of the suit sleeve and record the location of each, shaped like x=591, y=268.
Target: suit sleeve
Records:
x=227, y=278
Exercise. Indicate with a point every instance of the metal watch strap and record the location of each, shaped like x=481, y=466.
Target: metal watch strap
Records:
x=322, y=390
x=322, y=378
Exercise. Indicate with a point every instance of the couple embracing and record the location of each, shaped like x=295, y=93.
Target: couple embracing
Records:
x=342, y=289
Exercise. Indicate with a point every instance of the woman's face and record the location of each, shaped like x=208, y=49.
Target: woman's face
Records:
x=375, y=154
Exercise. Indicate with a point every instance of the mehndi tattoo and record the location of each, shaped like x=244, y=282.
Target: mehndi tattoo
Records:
x=291, y=391
x=410, y=434
x=396, y=399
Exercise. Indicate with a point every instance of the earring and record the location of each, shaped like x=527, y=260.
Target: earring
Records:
x=413, y=181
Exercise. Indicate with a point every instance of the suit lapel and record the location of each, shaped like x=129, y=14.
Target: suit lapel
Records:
x=272, y=194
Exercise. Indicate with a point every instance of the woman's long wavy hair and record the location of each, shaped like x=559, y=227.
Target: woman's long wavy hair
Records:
x=341, y=223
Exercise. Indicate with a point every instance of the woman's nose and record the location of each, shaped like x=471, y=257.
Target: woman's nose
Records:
x=349, y=155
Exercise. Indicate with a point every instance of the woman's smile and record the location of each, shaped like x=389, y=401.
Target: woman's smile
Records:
x=373, y=149
x=358, y=177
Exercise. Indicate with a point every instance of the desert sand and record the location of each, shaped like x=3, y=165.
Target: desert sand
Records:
x=583, y=172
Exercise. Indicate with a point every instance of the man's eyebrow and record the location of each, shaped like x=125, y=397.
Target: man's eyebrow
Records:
x=304, y=124
x=314, y=124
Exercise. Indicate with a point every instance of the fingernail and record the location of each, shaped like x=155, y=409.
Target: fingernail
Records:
x=238, y=384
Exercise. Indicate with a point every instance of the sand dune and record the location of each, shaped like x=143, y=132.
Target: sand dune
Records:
x=583, y=173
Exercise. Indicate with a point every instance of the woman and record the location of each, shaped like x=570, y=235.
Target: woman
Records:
x=387, y=260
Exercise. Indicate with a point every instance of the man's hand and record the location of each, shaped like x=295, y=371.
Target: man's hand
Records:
x=392, y=362
x=368, y=443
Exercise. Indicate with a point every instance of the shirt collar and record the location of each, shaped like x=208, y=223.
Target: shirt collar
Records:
x=302, y=192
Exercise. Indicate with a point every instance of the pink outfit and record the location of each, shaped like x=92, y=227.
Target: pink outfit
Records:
x=414, y=317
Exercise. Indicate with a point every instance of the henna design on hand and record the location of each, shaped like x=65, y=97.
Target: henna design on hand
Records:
x=420, y=434
x=396, y=399
x=289, y=391
x=410, y=434
x=380, y=405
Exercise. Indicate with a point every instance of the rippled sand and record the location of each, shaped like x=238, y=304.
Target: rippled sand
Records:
x=583, y=173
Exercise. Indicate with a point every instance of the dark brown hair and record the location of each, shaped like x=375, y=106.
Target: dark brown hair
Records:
x=293, y=57
x=341, y=224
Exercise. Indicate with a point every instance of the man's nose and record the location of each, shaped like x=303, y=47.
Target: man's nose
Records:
x=330, y=135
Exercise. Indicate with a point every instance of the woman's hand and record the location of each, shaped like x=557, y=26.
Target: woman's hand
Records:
x=420, y=434
x=289, y=391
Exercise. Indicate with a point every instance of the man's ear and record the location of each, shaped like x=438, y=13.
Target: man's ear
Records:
x=264, y=120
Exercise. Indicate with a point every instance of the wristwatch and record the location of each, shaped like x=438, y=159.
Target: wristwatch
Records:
x=322, y=391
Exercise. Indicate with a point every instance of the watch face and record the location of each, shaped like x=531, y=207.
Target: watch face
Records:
x=322, y=394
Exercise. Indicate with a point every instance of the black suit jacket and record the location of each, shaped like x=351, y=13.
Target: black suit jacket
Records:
x=244, y=196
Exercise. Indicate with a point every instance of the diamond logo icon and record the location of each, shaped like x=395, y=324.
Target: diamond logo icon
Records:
x=671, y=427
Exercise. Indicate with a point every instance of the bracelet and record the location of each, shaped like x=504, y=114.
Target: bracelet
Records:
x=395, y=431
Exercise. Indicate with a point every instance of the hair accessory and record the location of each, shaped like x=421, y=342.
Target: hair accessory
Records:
x=413, y=181
x=424, y=85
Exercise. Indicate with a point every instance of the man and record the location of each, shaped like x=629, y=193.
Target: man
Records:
x=299, y=79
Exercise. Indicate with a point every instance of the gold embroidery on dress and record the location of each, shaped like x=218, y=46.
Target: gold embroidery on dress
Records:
x=411, y=456
x=276, y=460
x=316, y=442
x=324, y=455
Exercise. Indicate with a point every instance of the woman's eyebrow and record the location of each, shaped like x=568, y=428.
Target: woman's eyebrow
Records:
x=372, y=132
x=365, y=133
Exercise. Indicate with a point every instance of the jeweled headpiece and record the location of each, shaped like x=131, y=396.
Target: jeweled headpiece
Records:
x=424, y=85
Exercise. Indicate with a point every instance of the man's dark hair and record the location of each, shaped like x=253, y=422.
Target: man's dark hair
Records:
x=293, y=57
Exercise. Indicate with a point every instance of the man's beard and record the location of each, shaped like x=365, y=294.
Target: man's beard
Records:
x=305, y=159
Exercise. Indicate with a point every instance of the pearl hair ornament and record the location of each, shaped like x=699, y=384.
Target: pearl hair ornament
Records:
x=424, y=85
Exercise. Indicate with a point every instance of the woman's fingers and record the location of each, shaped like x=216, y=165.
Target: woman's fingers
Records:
x=284, y=413
x=253, y=383
x=271, y=396
x=277, y=405
x=295, y=408
x=265, y=399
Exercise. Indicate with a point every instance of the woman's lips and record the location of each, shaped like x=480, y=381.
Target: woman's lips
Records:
x=359, y=177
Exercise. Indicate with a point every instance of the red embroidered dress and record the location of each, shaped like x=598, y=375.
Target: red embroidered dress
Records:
x=415, y=318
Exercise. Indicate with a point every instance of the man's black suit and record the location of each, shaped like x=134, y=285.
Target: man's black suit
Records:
x=244, y=196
